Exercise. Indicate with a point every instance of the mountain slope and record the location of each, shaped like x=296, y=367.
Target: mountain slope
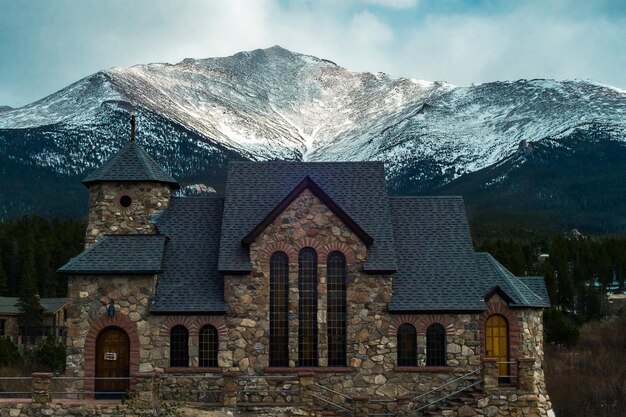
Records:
x=275, y=104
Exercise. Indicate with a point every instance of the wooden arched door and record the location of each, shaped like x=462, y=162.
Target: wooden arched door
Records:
x=112, y=361
x=497, y=342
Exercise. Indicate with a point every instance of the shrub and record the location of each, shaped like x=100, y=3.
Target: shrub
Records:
x=588, y=378
x=49, y=354
x=9, y=353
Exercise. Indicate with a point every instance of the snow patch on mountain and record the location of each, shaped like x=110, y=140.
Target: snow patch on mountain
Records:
x=275, y=104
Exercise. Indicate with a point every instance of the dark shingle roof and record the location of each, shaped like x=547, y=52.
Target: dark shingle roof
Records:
x=119, y=254
x=494, y=275
x=438, y=269
x=254, y=189
x=436, y=264
x=10, y=305
x=130, y=163
x=538, y=286
x=190, y=282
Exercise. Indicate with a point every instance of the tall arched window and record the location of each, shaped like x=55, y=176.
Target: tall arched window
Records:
x=407, y=345
x=179, y=346
x=336, y=309
x=435, y=345
x=279, y=310
x=209, y=346
x=307, y=311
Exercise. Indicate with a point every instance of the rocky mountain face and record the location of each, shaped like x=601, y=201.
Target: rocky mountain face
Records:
x=489, y=142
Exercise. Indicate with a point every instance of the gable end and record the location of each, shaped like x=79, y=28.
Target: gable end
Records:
x=308, y=183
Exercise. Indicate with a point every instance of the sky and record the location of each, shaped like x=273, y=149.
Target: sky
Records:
x=46, y=45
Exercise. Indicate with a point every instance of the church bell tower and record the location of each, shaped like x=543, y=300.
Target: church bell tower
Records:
x=126, y=192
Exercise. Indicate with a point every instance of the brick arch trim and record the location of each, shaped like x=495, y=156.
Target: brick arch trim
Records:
x=121, y=321
x=215, y=321
x=189, y=323
x=430, y=319
x=268, y=251
x=421, y=323
x=342, y=247
x=400, y=320
x=502, y=309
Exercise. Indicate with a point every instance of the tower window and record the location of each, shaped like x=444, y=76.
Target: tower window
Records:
x=125, y=201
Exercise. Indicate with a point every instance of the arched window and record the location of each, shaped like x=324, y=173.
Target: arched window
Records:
x=307, y=311
x=209, y=346
x=336, y=309
x=179, y=346
x=407, y=345
x=279, y=310
x=435, y=345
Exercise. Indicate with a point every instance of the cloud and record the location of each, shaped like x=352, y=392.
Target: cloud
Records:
x=522, y=43
x=47, y=45
x=369, y=30
x=396, y=4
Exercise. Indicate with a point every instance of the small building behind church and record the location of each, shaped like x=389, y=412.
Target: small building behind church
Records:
x=302, y=275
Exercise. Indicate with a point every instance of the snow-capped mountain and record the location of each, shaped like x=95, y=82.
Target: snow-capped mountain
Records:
x=196, y=115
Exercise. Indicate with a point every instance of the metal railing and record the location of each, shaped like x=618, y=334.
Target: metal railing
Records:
x=10, y=387
x=464, y=377
x=336, y=406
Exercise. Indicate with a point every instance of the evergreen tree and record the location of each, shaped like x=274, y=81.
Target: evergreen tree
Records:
x=31, y=317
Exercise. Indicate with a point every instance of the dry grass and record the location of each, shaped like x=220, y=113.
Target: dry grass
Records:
x=589, y=380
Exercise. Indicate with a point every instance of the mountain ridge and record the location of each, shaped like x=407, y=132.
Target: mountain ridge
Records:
x=267, y=104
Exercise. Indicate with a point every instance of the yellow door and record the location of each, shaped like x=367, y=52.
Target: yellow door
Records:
x=497, y=342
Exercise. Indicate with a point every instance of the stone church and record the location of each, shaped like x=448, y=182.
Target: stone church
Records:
x=305, y=286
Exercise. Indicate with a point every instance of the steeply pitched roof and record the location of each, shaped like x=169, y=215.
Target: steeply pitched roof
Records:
x=253, y=190
x=119, y=254
x=436, y=262
x=130, y=163
x=493, y=275
x=10, y=305
x=190, y=282
x=538, y=286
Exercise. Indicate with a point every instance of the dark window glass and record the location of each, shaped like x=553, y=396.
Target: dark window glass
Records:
x=407, y=345
x=209, y=346
x=179, y=346
x=279, y=310
x=336, y=309
x=2, y=328
x=436, y=345
x=307, y=311
x=126, y=201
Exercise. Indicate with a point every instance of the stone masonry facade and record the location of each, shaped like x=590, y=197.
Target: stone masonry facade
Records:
x=371, y=376
x=122, y=208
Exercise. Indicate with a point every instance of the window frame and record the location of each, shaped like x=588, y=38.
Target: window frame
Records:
x=208, y=346
x=279, y=310
x=307, y=308
x=436, y=345
x=179, y=347
x=336, y=309
x=406, y=357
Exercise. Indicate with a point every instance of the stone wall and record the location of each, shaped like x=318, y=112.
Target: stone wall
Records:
x=149, y=334
x=107, y=214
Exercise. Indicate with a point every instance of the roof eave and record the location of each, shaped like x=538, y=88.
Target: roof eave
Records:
x=110, y=272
